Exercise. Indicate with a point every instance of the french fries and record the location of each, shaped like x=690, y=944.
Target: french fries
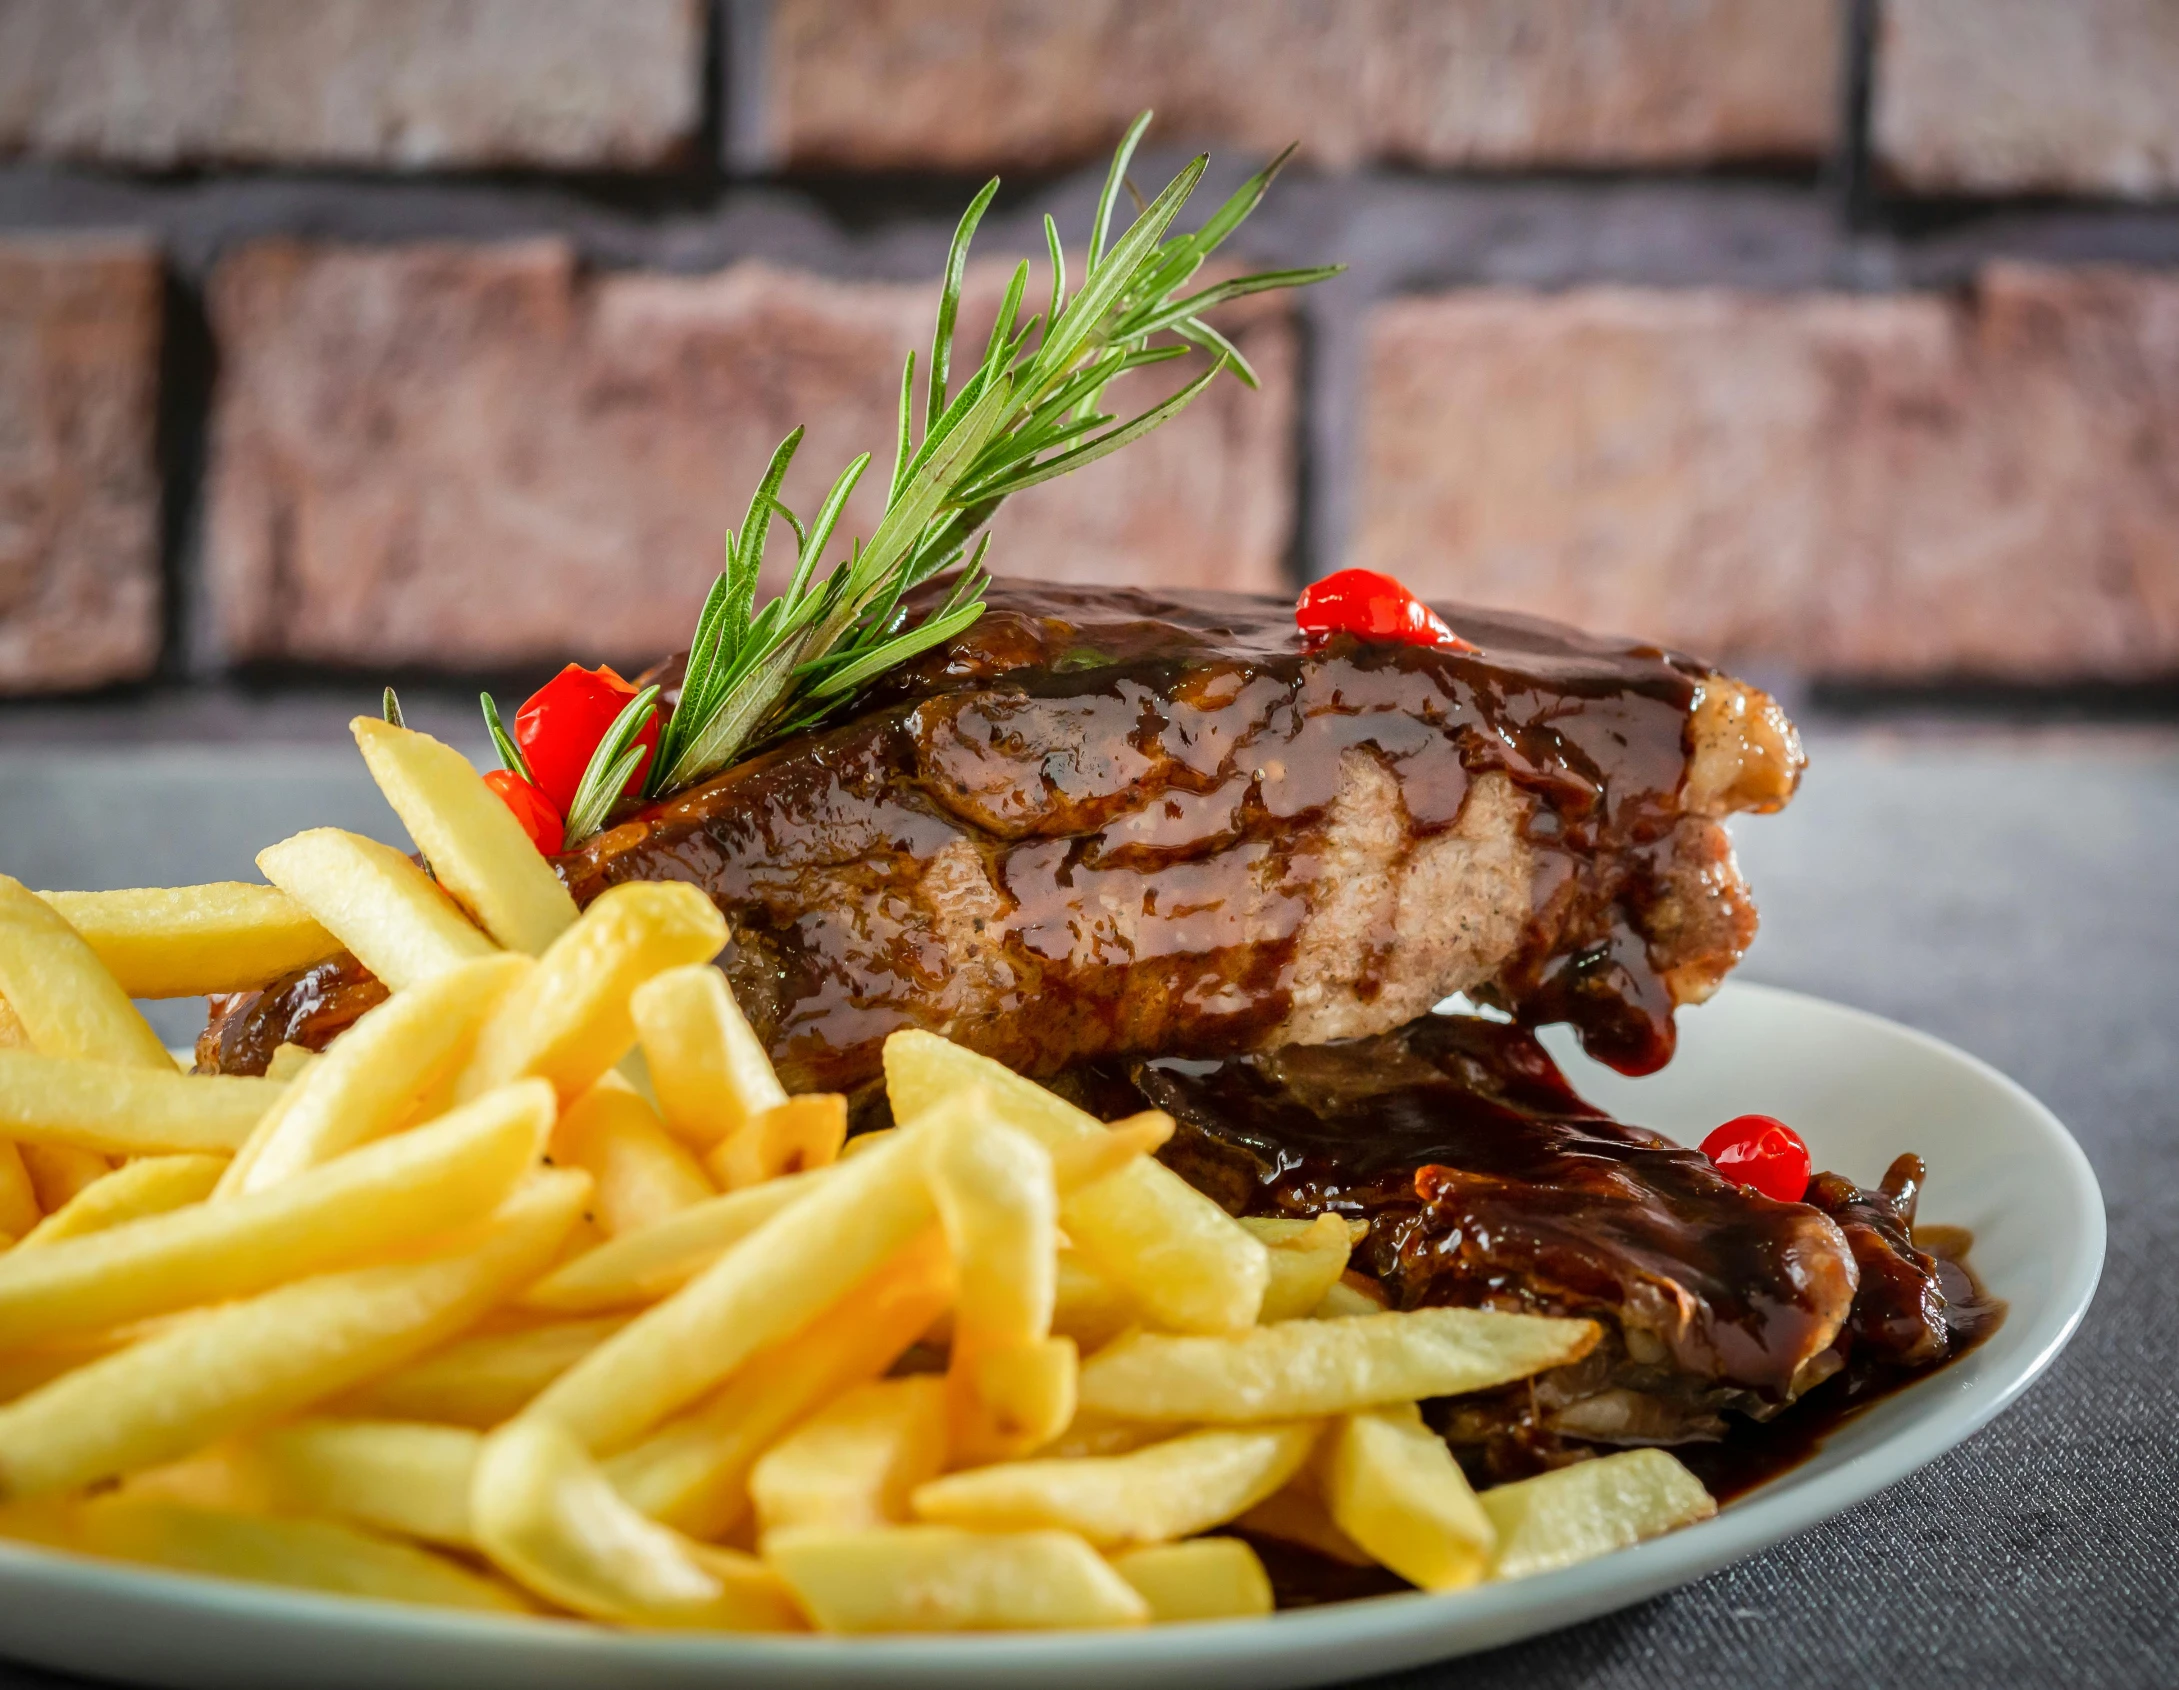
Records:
x=305, y=1554
x=793, y=1136
x=1306, y=1259
x=692, y=1472
x=855, y=1462
x=232, y=1369
x=376, y=902
x=940, y=1578
x=1167, y=1490
x=1394, y=1488
x=379, y=1073
x=187, y=941
x=649, y=1261
x=1206, y=1578
x=409, y=1479
x=643, y=1175
x=547, y=1517
x=154, y=1185
x=1317, y=1367
x=567, y=1020
x=404, y=1188
x=482, y=1379
x=1591, y=1508
x=536, y=1289
x=127, y=1111
x=475, y=847
x=712, y=1075
x=775, y=1280
x=1169, y=1248
x=61, y=996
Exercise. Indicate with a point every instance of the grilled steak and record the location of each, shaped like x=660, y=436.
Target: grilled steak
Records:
x=1111, y=823
x=1489, y=1183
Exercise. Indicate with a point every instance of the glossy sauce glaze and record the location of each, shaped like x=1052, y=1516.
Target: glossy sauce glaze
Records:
x=1738, y=1328
x=1143, y=780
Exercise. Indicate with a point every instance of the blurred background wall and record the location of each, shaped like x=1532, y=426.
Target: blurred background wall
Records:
x=1838, y=338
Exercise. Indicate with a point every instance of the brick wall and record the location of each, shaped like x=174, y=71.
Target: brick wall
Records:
x=1840, y=337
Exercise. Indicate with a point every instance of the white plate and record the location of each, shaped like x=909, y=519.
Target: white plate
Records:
x=1860, y=1089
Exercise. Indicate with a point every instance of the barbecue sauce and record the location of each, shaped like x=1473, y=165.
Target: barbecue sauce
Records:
x=1144, y=781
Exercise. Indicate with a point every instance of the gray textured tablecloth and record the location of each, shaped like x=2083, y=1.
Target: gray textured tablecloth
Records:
x=2016, y=895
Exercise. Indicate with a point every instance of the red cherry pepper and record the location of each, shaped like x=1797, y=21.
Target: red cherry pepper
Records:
x=1765, y=1153
x=1371, y=607
x=531, y=808
x=560, y=724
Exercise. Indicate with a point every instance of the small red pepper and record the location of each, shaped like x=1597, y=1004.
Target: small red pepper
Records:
x=531, y=808
x=1371, y=607
x=1763, y=1152
x=560, y=724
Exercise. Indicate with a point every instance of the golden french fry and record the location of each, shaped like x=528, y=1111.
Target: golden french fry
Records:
x=547, y=1518
x=289, y=1062
x=1311, y=1367
x=1169, y=1248
x=187, y=941
x=481, y=1379
x=61, y=996
x=1093, y=1434
x=305, y=1554
x=993, y=1188
x=940, y=1578
x=13, y=1034
x=127, y=1111
x=439, y=1176
x=1591, y=1508
x=1013, y=1399
x=692, y=1472
x=640, y=1266
x=155, y=1185
x=391, y=1475
x=1167, y=1490
x=378, y=1075
x=643, y=1173
x=23, y=1371
x=854, y=1462
x=796, y=1135
x=1077, y=1162
x=1205, y=1578
x=567, y=1020
x=1351, y=1293
x=376, y=902
x=710, y=1069
x=1297, y=1514
x=475, y=847
x=775, y=1280
x=1086, y=1306
x=60, y=1173
x=1393, y=1487
x=231, y=1369
x=1305, y=1265
x=19, y=1210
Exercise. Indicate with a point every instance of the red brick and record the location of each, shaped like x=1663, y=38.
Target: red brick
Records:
x=477, y=455
x=1908, y=486
x=389, y=83
x=79, y=495
x=973, y=84
x=2012, y=96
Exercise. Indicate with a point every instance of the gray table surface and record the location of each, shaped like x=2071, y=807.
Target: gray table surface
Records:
x=2013, y=893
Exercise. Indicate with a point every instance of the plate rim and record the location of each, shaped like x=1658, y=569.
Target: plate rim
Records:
x=1373, y=1634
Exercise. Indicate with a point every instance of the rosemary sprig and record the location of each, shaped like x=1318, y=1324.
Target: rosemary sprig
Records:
x=1029, y=412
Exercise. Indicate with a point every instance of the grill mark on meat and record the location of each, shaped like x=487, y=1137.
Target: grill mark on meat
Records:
x=1398, y=920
